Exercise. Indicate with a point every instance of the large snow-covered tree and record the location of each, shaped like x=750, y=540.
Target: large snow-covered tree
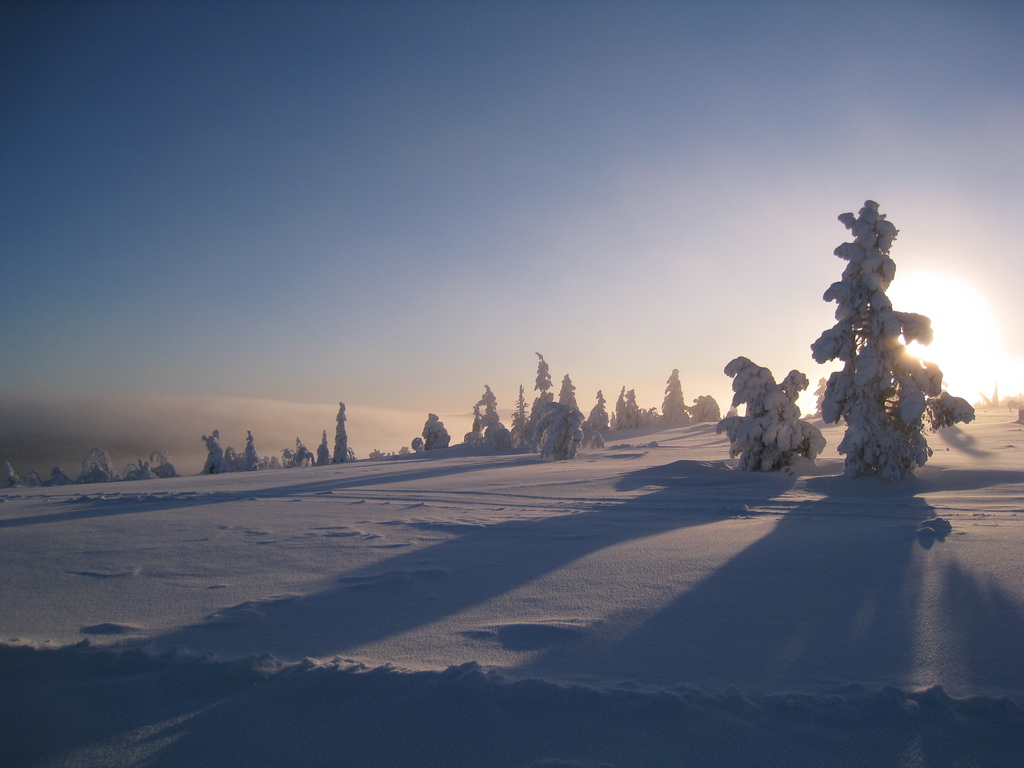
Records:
x=215, y=463
x=673, y=409
x=770, y=435
x=885, y=395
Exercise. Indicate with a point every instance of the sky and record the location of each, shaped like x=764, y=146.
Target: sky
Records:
x=261, y=209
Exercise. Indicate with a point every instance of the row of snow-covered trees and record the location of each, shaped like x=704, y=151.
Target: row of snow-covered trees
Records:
x=97, y=467
x=220, y=460
x=556, y=427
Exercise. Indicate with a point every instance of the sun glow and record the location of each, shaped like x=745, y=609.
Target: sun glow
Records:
x=968, y=343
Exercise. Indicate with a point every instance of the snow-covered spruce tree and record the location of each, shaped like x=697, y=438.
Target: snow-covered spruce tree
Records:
x=341, y=450
x=567, y=394
x=215, y=463
x=496, y=435
x=543, y=386
x=323, y=452
x=627, y=413
x=704, y=409
x=771, y=435
x=673, y=409
x=475, y=437
x=519, y=418
x=435, y=436
x=596, y=424
x=819, y=395
x=250, y=458
x=559, y=431
x=138, y=471
x=32, y=479
x=234, y=459
x=885, y=396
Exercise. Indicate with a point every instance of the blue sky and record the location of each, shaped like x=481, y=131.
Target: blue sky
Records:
x=393, y=204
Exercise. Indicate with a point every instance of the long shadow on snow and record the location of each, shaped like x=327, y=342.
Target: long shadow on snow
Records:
x=822, y=599
x=115, y=498
x=416, y=588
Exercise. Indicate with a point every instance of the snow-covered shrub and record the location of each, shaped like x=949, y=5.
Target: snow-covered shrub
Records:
x=323, y=452
x=160, y=465
x=57, y=477
x=495, y=435
x=592, y=437
x=8, y=479
x=673, y=409
x=435, y=436
x=31, y=479
x=559, y=431
x=417, y=445
x=303, y=457
x=705, y=409
x=885, y=396
x=215, y=463
x=770, y=435
x=138, y=471
x=250, y=458
x=98, y=468
x=342, y=452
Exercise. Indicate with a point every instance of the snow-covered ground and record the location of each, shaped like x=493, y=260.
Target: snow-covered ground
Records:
x=642, y=605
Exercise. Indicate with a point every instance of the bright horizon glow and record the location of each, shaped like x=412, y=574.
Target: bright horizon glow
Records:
x=968, y=337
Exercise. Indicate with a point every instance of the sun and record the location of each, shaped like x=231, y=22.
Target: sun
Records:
x=968, y=343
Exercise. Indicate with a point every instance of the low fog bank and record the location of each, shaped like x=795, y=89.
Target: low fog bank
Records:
x=37, y=434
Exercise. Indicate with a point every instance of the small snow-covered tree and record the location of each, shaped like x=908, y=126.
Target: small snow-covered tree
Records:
x=819, y=395
x=519, y=418
x=596, y=424
x=161, y=466
x=417, y=445
x=303, y=456
x=475, y=437
x=628, y=414
x=673, y=409
x=97, y=467
x=138, y=471
x=234, y=460
x=705, y=409
x=57, y=477
x=8, y=479
x=32, y=479
x=323, y=452
x=215, y=463
x=342, y=452
x=885, y=395
x=250, y=458
x=771, y=435
x=567, y=394
x=543, y=386
x=435, y=436
x=559, y=431
x=598, y=417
